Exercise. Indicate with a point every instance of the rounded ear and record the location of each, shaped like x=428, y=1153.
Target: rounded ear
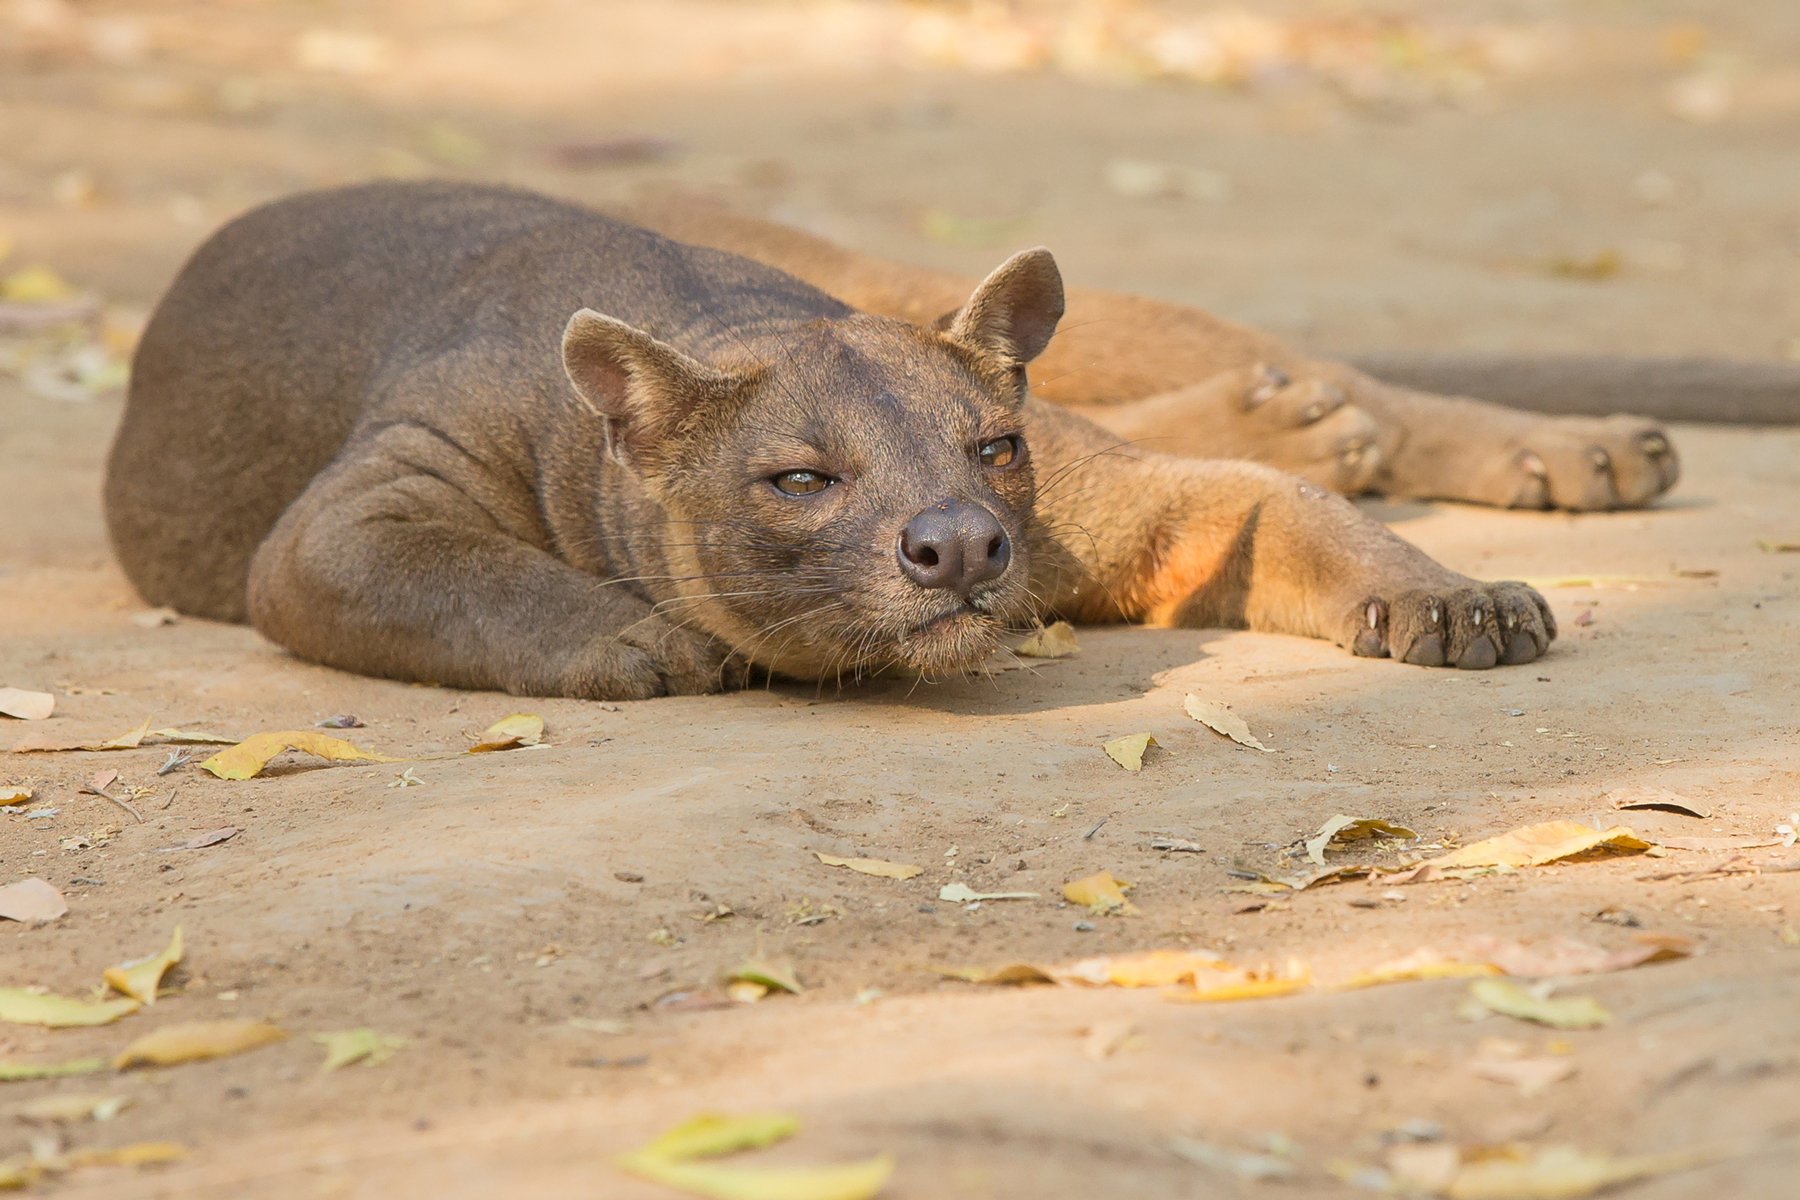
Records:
x=647, y=390
x=1015, y=310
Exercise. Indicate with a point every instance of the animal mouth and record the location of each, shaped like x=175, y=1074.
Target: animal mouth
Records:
x=960, y=611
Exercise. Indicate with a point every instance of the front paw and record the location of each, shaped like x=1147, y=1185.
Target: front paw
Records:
x=1587, y=464
x=648, y=659
x=1471, y=625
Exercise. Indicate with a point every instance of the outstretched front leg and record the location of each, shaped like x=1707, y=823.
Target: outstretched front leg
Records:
x=1139, y=536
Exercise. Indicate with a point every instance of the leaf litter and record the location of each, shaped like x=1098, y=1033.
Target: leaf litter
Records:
x=1217, y=716
x=1056, y=640
x=26, y=706
x=671, y=1161
x=962, y=893
x=191, y=1041
x=44, y=743
x=871, y=866
x=22, y=1007
x=346, y=1046
x=520, y=729
x=18, y=1072
x=141, y=978
x=32, y=901
x=247, y=759
x=1101, y=894
x=1510, y=999
x=1537, y=845
x=1128, y=751
x=1351, y=829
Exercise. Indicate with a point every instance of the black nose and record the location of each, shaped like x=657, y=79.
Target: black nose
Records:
x=954, y=545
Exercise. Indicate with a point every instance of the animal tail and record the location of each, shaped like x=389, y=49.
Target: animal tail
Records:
x=1726, y=391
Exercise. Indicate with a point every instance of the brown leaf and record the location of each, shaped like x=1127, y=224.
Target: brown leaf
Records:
x=31, y=901
x=26, y=706
x=202, y=840
x=1656, y=798
x=1743, y=841
x=44, y=743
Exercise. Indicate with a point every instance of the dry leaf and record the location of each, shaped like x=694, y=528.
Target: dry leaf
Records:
x=139, y=979
x=1635, y=798
x=201, y=841
x=40, y=742
x=15, y=1072
x=771, y=975
x=961, y=893
x=59, y=1012
x=138, y=1154
x=1351, y=829
x=1743, y=841
x=519, y=729
x=1231, y=1162
x=668, y=1160
x=1566, y=956
x=194, y=1040
x=1535, y=845
x=871, y=866
x=250, y=756
x=1152, y=968
x=1563, y=1172
x=1420, y=964
x=1128, y=751
x=1217, y=716
x=193, y=737
x=69, y=1106
x=1176, y=845
x=11, y=794
x=1529, y=1075
x=348, y=1046
x=1770, y=546
x=1100, y=893
x=1053, y=641
x=1012, y=973
x=1248, y=989
x=26, y=706
x=152, y=618
x=1510, y=1000
x=32, y=901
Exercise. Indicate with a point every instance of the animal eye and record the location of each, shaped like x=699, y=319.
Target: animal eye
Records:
x=801, y=483
x=1001, y=452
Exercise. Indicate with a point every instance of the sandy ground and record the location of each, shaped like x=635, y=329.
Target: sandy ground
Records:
x=475, y=914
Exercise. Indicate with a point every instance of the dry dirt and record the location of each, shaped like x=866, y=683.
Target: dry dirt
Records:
x=428, y=912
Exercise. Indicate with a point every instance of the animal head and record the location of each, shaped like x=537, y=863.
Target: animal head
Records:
x=843, y=496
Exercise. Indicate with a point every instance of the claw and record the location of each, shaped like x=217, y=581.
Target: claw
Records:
x=1654, y=445
x=1512, y=620
x=1600, y=458
x=1273, y=380
x=1437, y=613
x=1479, y=615
x=1374, y=614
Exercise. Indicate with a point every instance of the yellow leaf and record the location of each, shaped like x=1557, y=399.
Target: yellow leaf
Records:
x=35, y=285
x=847, y=1181
x=1350, y=829
x=355, y=1045
x=1509, y=999
x=1011, y=973
x=871, y=866
x=70, y=1106
x=1421, y=964
x=26, y=706
x=771, y=975
x=1249, y=989
x=59, y=1012
x=962, y=893
x=1101, y=893
x=711, y=1134
x=138, y=1154
x=1128, y=751
x=250, y=756
x=1217, y=716
x=1535, y=845
x=1053, y=641
x=1560, y=1172
x=15, y=1072
x=516, y=730
x=1153, y=968
x=194, y=1040
x=17, y=794
x=139, y=979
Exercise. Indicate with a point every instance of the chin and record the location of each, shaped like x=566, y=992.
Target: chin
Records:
x=953, y=644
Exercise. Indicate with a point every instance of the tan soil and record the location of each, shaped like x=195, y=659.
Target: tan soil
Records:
x=423, y=911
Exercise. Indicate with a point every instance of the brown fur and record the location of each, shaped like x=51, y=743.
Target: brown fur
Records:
x=1194, y=384
x=483, y=438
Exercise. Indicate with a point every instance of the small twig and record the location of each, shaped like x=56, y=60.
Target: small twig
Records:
x=94, y=791
x=177, y=759
x=1096, y=829
x=171, y=799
